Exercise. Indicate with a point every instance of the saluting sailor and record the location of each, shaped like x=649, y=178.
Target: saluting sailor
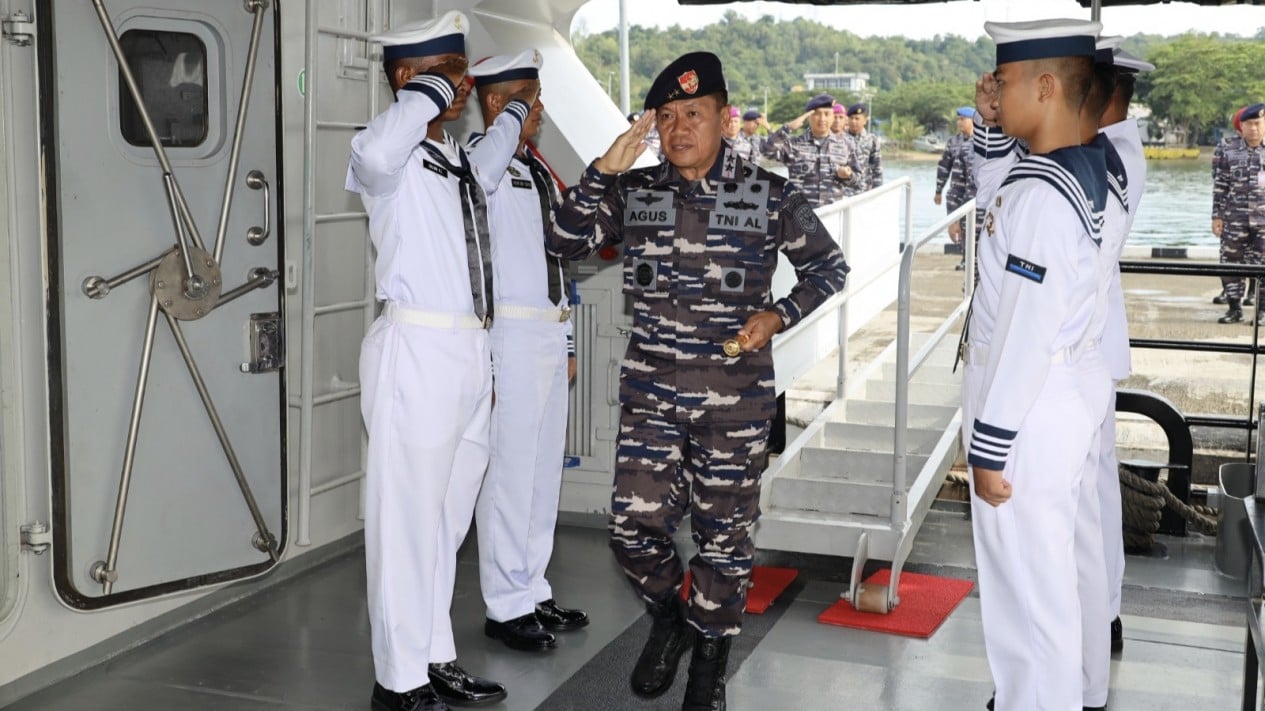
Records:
x=1036, y=388
x=533, y=358
x=425, y=365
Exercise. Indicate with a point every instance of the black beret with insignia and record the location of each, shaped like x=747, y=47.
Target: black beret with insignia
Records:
x=691, y=75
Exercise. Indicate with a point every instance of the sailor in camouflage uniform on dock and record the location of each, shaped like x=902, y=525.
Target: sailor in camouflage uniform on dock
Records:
x=824, y=166
x=955, y=170
x=1238, y=205
x=867, y=146
x=701, y=235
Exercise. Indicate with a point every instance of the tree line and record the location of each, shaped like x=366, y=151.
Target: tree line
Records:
x=914, y=85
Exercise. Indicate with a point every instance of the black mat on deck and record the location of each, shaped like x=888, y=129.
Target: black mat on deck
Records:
x=603, y=683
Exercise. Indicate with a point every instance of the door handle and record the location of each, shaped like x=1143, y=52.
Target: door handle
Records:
x=255, y=180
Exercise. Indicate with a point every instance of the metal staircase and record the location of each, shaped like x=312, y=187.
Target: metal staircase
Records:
x=859, y=479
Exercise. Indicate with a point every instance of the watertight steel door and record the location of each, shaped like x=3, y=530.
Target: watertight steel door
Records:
x=164, y=328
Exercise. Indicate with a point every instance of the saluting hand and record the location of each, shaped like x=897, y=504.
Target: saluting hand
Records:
x=527, y=94
x=798, y=121
x=991, y=486
x=759, y=330
x=626, y=149
x=986, y=98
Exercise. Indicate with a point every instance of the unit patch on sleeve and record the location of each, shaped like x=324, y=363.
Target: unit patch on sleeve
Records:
x=1025, y=269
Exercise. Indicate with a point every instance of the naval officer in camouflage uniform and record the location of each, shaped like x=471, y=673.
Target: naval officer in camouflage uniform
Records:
x=824, y=166
x=701, y=236
x=1238, y=205
x=752, y=122
x=867, y=147
x=955, y=170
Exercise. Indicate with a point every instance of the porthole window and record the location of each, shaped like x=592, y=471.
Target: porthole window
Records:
x=171, y=71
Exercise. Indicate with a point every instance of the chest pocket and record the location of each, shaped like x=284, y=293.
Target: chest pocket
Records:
x=649, y=224
x=735, y=268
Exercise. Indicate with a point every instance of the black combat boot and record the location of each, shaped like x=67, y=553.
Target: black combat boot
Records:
x=706, y=688
x=1234, y=314
x=669, y=638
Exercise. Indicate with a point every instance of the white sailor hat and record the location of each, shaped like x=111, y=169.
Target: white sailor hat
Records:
x=1128, y=63
x=1042, y=39
x=507, y=67
x=443, y=35
x=1105, y=49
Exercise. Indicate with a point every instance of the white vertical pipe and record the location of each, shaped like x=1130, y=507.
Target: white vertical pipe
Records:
x=624, y=101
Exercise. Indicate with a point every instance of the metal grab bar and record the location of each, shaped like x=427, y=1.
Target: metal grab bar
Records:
x=255, y=180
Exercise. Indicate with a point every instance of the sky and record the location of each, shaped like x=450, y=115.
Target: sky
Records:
x=965, y=18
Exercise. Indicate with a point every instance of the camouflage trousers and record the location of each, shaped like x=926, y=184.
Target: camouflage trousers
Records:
x=1241, y=243
x=953, y=200
x=712, y=471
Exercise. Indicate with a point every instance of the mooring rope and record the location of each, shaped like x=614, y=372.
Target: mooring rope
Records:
x=1142, y=503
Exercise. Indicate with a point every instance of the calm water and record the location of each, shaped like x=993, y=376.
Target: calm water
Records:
x=1176, y=208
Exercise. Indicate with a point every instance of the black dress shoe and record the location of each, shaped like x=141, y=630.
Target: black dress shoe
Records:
x=1094, y=708
x=522, y=633
x=560, y=619
x=459, y=688
x=991, y=700
x=420, y=699
x=1117, y=636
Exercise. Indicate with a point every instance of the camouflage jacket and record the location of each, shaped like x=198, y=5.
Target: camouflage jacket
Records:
x=869, y=156
x=812, y=164
x=955, y=169
x=1238, y=183
x=699, y=258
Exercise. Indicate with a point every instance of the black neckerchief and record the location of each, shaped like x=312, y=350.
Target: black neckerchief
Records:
x=548, y=198
x=474, y=212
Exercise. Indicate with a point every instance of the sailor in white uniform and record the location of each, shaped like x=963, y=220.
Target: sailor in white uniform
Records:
x=1035, y=386
x=425, y=364
x=532, y=362
x=1126, y=138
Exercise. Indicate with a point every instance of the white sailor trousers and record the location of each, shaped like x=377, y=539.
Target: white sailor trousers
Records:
x=1039, y=555
x=518, y=506
x=426, y=399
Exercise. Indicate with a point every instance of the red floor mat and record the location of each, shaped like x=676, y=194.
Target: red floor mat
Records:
x=925, y=602
x=766, y=585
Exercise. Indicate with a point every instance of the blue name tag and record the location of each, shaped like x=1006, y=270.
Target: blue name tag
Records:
x=1025, y=269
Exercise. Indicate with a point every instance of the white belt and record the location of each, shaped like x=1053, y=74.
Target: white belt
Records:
x=552, y=314
x=978, y=355
x=433, y=319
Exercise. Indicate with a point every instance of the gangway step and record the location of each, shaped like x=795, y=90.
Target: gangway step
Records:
x=841, y=464
x=874, y=438
x=919, y=393
x=832, y=496
x=928, y=373
x=824, y=534
x=884, y=413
